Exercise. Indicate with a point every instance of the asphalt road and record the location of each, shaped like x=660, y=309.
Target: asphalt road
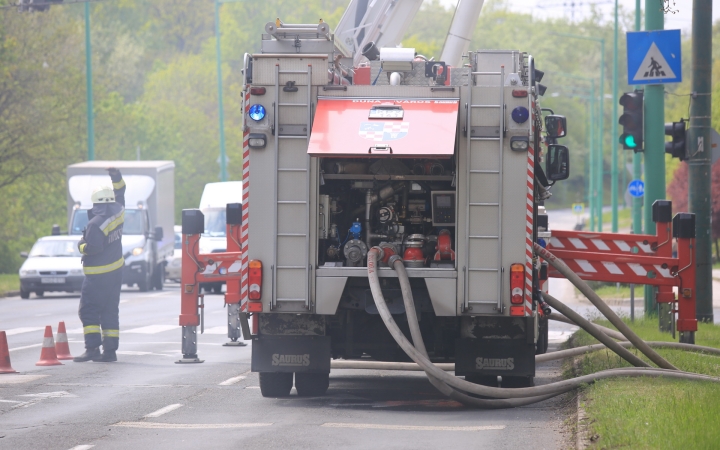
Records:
x=146, y=401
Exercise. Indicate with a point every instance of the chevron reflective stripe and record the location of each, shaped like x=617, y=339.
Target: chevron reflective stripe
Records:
x=245, y=224
x=96, y=270
x=601, y=242
x=81, y=247
x=90, y=329
x=119, y=185
x=529, y=214
x=111, y=333
x=113, y=222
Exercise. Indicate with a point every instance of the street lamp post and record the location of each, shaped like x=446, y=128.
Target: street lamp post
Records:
x=89, y=88
x=221, y=111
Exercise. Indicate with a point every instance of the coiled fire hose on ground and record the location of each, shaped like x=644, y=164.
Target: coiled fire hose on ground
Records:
x=462, y=390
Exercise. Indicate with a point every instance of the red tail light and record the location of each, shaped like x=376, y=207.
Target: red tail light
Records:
x=517, y=279
x=255, y=286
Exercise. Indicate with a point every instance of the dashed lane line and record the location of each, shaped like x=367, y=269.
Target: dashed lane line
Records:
x=163, y=411
x=380, y=426
x=25, y=347
x=82, y=447
x=152, y=329
x=21, y=330
x=233, y=380
x=121, y=385
x=16, y=378
x=189, y=426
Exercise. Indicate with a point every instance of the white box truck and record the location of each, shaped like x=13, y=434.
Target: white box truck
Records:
x=149, y=213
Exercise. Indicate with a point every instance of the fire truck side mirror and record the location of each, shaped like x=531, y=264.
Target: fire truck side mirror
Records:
x=557, y=163
x=556, y=126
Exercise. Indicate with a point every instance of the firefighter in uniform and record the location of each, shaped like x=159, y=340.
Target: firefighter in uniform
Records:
x=103, y=263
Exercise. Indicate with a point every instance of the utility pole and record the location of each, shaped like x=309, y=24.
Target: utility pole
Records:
x=654, y=143
x=221, y=111
x=88, y=76
x=699, y=150
x=614, y=170
x=636, y=158
x=601, y=138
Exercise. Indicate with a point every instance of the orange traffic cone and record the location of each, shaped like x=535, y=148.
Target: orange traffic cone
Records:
x=62, y=348
x=5, y=366
x=48, y=357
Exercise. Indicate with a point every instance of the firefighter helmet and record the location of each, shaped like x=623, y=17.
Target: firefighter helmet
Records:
x=103, y=194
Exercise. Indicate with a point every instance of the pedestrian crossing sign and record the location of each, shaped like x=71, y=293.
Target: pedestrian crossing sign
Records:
x=653, y=57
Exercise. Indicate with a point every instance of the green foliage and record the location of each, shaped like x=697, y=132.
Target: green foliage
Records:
x=8, y=281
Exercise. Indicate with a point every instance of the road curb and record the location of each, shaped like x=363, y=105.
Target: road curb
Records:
x=9, y=294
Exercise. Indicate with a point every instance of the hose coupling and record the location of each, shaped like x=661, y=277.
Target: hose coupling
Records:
x=393, y=258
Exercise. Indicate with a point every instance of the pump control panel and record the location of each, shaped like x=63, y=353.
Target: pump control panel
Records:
x=443, y=208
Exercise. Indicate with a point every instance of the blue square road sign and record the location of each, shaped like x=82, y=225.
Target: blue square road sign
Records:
x=653, y=57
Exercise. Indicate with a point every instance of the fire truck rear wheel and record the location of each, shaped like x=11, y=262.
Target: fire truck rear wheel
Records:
x=276, y=384
x=517, y=382
x=311, y=384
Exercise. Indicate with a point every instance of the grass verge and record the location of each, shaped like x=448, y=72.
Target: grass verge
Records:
x=653, y=413
x=9, y=282
x=624, y=219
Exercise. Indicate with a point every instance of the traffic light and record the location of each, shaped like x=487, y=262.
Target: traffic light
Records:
x=677, y=131
x=632, y=121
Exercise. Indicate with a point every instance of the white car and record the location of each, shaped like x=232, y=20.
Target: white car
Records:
x=173, y=268
x=53, y=265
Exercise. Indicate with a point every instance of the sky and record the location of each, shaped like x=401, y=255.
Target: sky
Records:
x=682, y=19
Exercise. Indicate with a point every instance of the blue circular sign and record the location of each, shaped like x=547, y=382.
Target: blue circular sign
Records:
x=636, y=188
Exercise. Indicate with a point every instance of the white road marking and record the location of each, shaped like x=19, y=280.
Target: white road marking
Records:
x=27, y=346
x=120, y=385
x=82, y=447
x=9, y=401
x=189, y=426
x=16, y=378
x=14, y=331
x=151, y=329
x=217, y=330
x=231, y=381
x=252, y=387
x=57, y=394
x=379, y=426
x=164, y=410
x=133, y=353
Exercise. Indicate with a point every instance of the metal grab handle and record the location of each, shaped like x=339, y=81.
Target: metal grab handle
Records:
x=201, y=306
x=380, y=148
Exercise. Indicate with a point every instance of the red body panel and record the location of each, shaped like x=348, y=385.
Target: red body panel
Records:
x=342, y=129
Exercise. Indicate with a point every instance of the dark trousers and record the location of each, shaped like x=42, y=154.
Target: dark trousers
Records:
x=99, y=309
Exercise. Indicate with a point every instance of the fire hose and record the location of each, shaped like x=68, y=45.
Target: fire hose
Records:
x=462, y=390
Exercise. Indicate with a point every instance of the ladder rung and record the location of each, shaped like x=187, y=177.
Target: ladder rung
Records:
x=292, y=170
x=480, y=269
x=484, y=139
x=292, y=104
x=483, y=171
x=292, y=234
x=484, y=237
x=291, y=202
x=291, y=267
x=292, y=137
x=484, y=204
x=484, y=106
x=290, y=299
x=300, y=72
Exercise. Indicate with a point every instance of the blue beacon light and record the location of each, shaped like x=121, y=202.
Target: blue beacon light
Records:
x=257, y=112
x=520, y=114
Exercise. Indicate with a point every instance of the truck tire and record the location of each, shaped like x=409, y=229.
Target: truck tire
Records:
x=40, y=294
x=542, y=341
x=158, y=278
x=517, y=382
x=275, y=384
x=24, y=294
x=311, y=384
x=144, y=284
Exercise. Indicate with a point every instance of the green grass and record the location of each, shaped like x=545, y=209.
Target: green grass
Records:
x=614, y=292
x=9, y=282
x=653, y=413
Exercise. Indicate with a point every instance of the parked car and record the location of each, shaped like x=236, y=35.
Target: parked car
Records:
x=174, y=262
x=53, y=265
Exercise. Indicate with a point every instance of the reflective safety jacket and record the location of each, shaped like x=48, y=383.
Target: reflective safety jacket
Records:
x=101, y=245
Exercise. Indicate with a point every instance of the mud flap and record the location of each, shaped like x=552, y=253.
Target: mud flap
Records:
x=508, y=357
x=291, y=354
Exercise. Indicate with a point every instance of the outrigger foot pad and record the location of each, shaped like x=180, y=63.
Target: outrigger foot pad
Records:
x=190, y=359
x=235, y=344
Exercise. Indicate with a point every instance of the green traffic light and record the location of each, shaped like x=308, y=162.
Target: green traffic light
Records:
x=630, y=141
